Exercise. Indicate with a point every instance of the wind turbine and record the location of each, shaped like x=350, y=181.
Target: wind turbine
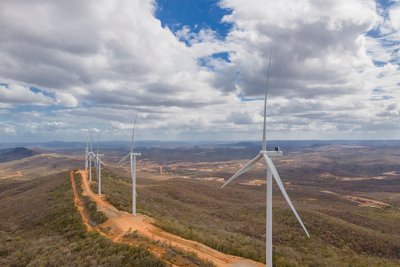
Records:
x=271, y=172
x=87, y=156
x=132, y=156
x=91, y=155
x=98, y=164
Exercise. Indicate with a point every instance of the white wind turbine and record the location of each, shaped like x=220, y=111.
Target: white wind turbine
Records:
x=91, y=155
x=98, y=165
x=271, y=172
x=132, y=155
x=87, y=155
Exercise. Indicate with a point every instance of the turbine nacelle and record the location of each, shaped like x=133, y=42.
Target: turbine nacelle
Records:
x=274, y=153
x=136, y=154
x=98, y=156
x=270, y=168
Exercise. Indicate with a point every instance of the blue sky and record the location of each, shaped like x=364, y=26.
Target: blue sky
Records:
x=195, y=14
x=196, y=70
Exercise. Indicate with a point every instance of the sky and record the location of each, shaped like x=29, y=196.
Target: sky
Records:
x=197, y=70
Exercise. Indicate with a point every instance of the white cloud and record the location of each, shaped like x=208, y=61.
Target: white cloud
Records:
x=7, y=129
x=121, y=126
x=66, y=100
x=102, y=60
x=54, y=125
x=394, y=17
x=118, y=52
x=13, y=94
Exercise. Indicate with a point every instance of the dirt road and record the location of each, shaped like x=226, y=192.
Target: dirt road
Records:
x=361, y=201
x=121, y=222
x=79, y=204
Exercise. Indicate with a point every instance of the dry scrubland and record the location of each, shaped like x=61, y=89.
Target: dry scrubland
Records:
x=39, y=226
x=345, y=229
x=348, y=199
x=110, y=227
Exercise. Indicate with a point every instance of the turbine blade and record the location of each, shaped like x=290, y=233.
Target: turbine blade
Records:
x=91, y=139
x=278, y=180
x=98, y=143
x=124, y=158
x=133, y=131
x=244, y=169
x=264, y=140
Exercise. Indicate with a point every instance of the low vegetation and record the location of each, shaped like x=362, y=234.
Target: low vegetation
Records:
x=170, y=254
x=39, y=226
x=90, y=208
x=167, y=252
x=233, y=221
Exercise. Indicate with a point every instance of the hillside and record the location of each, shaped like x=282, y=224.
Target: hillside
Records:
x=38, y=166
x=40, y=226
x=11, y=154
x=233, y=221
x=347, y=198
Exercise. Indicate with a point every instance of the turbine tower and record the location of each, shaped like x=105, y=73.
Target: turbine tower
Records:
x=132, y=156
x=271, y=172
x=98, y=165
x=92, y=156
x=87, y=156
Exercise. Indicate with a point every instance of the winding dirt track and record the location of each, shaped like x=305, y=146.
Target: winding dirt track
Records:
x=79, y=204
x=121, y=222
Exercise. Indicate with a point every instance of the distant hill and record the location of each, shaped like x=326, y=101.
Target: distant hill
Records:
x=10, y=154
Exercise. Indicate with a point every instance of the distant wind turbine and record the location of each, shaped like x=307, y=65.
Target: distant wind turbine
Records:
x=98, y=164
x=132, y=155
x=87, y=155
x=271, y=171
x=92, y=156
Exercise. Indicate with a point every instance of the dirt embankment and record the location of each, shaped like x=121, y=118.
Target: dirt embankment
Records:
x=120, y=223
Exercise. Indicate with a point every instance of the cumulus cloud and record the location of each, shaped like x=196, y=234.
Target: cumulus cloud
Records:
x=239, y=118
x=13, y=94
x=318, y=48
x=101, y=60
x=117, y=51
x=66, y=100
x=54, y=125
x=323, y=69
x=121, y=126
